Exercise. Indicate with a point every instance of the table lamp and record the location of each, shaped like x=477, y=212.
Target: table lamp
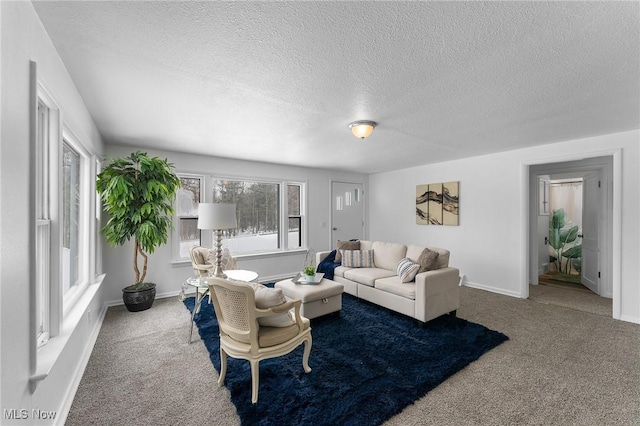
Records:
x=217, y=216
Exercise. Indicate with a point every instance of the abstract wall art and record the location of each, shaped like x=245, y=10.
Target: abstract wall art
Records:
x=438, y=203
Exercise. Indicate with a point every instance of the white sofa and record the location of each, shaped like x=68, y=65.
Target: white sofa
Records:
x=431, y=294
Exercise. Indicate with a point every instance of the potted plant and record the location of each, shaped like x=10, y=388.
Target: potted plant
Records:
x=309, y=270
x=137, y=193
x=309, y=273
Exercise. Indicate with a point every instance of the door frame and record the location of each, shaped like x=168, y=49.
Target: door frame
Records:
x=611, y=259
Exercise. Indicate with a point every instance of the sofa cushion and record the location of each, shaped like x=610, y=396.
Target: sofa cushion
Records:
x=345, y=245
x=393, y=285
x=367, y=276
x=357, y=258
x=407, y=270
x=414, y=252
x=387, y=255
x=340, y=270
x=366, y=245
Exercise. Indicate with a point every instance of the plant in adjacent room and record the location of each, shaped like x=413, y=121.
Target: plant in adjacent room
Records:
x=137, y=193
x=565, y=242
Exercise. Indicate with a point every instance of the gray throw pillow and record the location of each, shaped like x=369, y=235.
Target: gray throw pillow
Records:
x=428, y=260
x=345, y=245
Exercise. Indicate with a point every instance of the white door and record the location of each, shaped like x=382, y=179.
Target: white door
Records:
x=544, y=213
x=347, y=211
x=590, y=232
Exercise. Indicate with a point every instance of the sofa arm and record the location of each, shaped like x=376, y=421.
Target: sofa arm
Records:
x=437, y=293
x=321, y=255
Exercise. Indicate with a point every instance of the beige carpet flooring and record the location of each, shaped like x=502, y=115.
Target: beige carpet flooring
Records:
x=561, y=366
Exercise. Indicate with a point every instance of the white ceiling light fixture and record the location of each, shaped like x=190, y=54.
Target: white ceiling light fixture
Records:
x=362, y=128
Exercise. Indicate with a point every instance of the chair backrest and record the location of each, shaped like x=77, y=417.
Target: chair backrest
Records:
x=235, y=308
x=199, y=256
x=204, y=256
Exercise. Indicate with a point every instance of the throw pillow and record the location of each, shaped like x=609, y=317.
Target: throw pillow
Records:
x=428, y=260
x=407, y=270
x=345, y=245
x=267, y=298
x=357, y=258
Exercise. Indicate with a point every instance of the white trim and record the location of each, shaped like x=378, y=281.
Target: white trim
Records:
x=616, y=249
x=497, y=290
x=49, y=354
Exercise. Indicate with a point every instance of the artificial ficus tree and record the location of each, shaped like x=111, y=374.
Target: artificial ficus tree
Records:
x=137, y=193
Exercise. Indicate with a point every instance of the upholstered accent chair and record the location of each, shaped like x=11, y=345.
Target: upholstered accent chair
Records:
x=202, y=260
x=242, y=336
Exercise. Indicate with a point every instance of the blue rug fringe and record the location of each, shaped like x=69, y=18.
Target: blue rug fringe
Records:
x=367, y=365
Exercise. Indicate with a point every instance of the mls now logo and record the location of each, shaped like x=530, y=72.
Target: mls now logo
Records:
x=22, y=414
x=15, y=414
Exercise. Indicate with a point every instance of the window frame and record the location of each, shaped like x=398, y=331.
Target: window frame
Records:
x=175, y=238
x=70, y=297
x=51, y=306
x=47, y=129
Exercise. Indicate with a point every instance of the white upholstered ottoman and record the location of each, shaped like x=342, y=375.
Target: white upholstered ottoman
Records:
x=317, y=299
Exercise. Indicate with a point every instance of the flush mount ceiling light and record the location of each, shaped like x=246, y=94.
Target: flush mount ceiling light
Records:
x=362, y=128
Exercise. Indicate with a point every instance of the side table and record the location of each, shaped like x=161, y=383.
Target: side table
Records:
x=202, y=288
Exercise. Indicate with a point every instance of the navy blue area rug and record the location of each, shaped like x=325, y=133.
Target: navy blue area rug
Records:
x=367, y=364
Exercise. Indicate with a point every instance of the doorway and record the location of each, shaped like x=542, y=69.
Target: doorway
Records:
x=565, y=245
x=583, y=244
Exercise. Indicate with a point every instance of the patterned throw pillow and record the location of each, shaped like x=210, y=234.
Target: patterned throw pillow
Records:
x=345, y=245
x=407, y=270
x=428, y=260
x=357, y=258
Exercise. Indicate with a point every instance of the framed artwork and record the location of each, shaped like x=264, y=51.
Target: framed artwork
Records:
x=438, y=203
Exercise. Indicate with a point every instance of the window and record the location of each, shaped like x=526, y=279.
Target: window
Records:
x=257, y=211
x=43, y=222
x=70, y=259
x=186, y=210
x=263, y=209
x=294, y=208
x=65, y=253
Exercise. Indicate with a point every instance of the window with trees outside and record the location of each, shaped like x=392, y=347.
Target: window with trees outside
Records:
x=65, y=253
x=186, y=211
x=270, y=214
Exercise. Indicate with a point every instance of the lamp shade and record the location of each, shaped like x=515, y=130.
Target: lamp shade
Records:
x=217, y=216
x=362, y=129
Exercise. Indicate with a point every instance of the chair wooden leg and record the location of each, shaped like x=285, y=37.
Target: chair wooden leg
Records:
x=305, y=355
x=255, y=380
x=223, y=366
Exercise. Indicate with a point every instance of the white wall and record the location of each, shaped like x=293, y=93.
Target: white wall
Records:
x=489, y=247
x=24, y=39
x=169, y=277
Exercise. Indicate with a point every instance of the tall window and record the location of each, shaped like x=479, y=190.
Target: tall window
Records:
x=43, y=223
x=64, y=253
x=294, y=209
x=70, y=256
x=187, y=200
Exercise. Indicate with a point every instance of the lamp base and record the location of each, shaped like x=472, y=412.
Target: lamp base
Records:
x=217, y=271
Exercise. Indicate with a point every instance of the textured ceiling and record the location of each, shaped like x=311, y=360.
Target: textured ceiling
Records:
x=280, y=81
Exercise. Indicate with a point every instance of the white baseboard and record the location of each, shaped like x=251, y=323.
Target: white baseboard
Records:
x=491, y=289
x=628, y=318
